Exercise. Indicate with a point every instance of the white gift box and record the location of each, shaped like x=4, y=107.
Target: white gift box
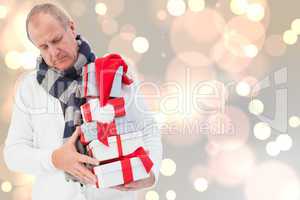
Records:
x=89, y=81
x=121, y=144
x=89, y=131
x=92, y=111
x=111, y=174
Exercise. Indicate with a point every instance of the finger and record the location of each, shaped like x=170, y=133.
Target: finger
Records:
x=82, y=177
x=87, y=173
x=121, y=188
x=131, y=188
x=78, y=176
x=118, y=186
x=75, y=135
x=142, y=183
x=133, y=184
x=87, y=159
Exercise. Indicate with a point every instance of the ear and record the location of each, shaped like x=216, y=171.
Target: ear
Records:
x=72, y=28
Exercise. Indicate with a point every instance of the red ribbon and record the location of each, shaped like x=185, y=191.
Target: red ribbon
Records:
x=85, y=76
x=87, y=112
x=126, y=165
x=105, y=130
x=117, y=103
x=82, y=138
x=119, y=143
x=126, y=171
x=120, y=152
x=119, y=106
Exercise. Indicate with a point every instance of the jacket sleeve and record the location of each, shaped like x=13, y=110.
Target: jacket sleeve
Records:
x=20, y=155
x=146, y=123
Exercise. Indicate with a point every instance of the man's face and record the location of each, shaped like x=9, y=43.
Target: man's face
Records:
x=57, y=44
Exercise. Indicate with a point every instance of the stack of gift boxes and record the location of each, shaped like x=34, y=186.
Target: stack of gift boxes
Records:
x=122, y=157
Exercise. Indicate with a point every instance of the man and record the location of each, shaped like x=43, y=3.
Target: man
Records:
x=35, y=143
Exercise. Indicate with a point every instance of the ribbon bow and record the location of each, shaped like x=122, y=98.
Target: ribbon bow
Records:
x=126, y=166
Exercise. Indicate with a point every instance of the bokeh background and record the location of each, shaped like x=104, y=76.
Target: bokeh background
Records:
x=220, y=76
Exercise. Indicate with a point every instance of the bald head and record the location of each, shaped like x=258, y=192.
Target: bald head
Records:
x=54, y=11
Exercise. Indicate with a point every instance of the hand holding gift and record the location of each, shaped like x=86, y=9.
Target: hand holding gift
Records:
x=73, y=163
x=137, y=185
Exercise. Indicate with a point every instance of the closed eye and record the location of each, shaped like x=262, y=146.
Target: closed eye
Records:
x=44, y=47
x=56, y=40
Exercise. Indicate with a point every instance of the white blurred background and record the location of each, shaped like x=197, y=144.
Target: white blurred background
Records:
x=221, y=77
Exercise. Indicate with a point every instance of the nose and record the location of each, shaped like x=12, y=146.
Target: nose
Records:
x=54, y=51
